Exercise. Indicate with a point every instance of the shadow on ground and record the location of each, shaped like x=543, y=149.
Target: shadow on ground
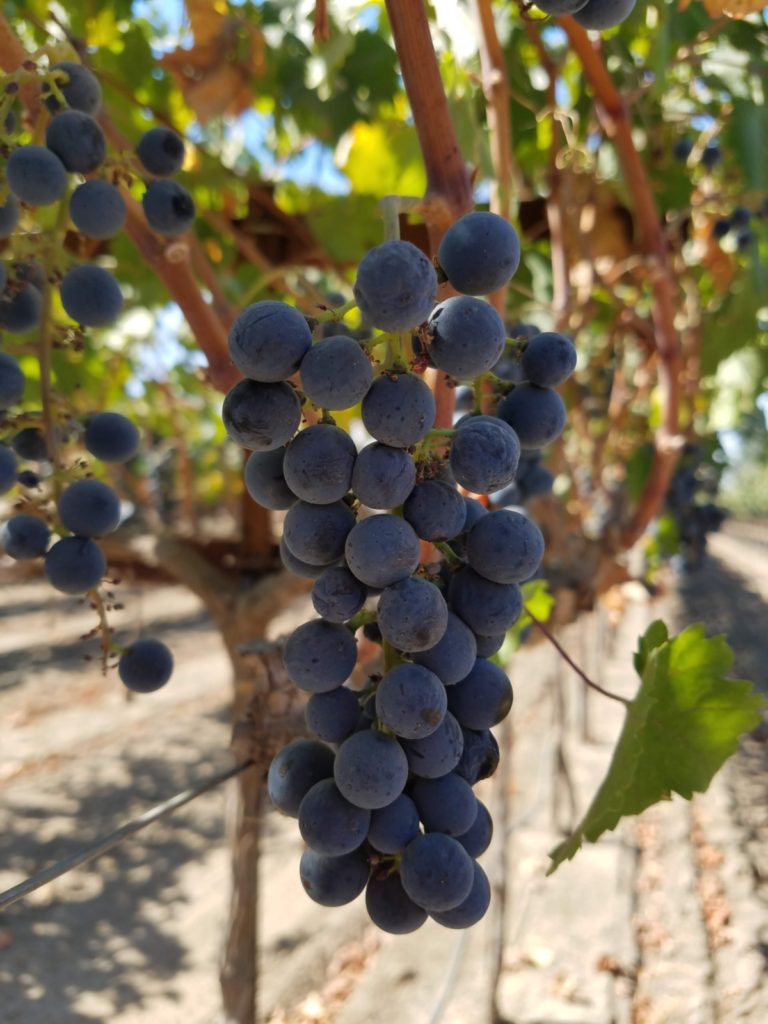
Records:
x=722, y=600
x=100, y=929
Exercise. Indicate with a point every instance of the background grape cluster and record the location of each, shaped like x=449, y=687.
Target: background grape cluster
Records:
x=60, y=514
x=401, y=545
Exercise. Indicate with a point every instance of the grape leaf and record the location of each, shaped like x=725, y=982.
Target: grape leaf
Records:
x=683, y=724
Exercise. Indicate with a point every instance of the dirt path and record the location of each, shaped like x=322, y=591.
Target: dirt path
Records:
x=663, y=922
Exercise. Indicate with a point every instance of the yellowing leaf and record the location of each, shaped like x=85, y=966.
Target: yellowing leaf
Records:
x=384, y=159
x=683, y=724
x=205, y=18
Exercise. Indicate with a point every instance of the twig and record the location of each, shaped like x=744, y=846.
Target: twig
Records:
x=612, y=110
x=564, y=654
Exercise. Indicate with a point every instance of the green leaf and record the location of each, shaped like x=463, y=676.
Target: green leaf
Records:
x=681, y=727
x=656, y=634
x=537, y=598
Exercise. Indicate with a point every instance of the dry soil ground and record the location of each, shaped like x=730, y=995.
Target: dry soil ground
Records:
x=663, y=922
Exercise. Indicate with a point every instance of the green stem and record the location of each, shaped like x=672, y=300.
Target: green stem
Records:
x=335, y=314
x=391, y=656
x=361, y=619
x=390, y=212
x=450, y=555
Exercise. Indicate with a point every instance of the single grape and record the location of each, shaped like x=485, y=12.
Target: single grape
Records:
x=721, y=228
x=161, y=151
x=75, y=565
x=436, y=872
x=411, y=701
x=36, y=176
x=316, y=534
x=97, y=209
x=295, y=770
x=537, y=415
x=480, y=755
x=399, y=410
x=470, y=910
x=370, y=769
x=30, y=444
x=390, y=908
x=479, y=253
x=412, y=614
x=265, y=480
x=336, y=373
x=332, y=716
x=319, y=655
x=261, y=417
x=12, y=381
x=431, y=756
x=28, y=479
x=549, y=359
x=382, y=550
x=712, y=155
x=601, y=14
x=453, y=656
x=338, y=595
x=477, y=838
x=20, y=312
x=394, y=826
x=383, y=476
x=80, y=88
x=89, y=508
x=487, y=646
x=295, y=565
x=475, y=510
x=168, y=207
x=467, y=337
x=24, y=537
x=446, y=804
x=10, y=211
x=484, y=454
x=329, y=824
x=333, y=881
x=318, y=464
x=111, y=437
x=91, y=295
x=487, y=608
x=268, y=341
x=435, y=510
x=682, y=149
x=483, y=698
x=77, y=140
x=536, y=482
x=740, y=217
x=396, y=286
x=8, y=468
x=145, y=666
x=505, y=547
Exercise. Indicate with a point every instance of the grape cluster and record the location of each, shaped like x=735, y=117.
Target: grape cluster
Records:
x=384, y=792
x=741, y=225
x=689, y=503
x=40, y=175
x=593, y=14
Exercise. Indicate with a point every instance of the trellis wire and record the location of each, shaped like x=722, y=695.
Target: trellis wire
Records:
x=108, y=842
